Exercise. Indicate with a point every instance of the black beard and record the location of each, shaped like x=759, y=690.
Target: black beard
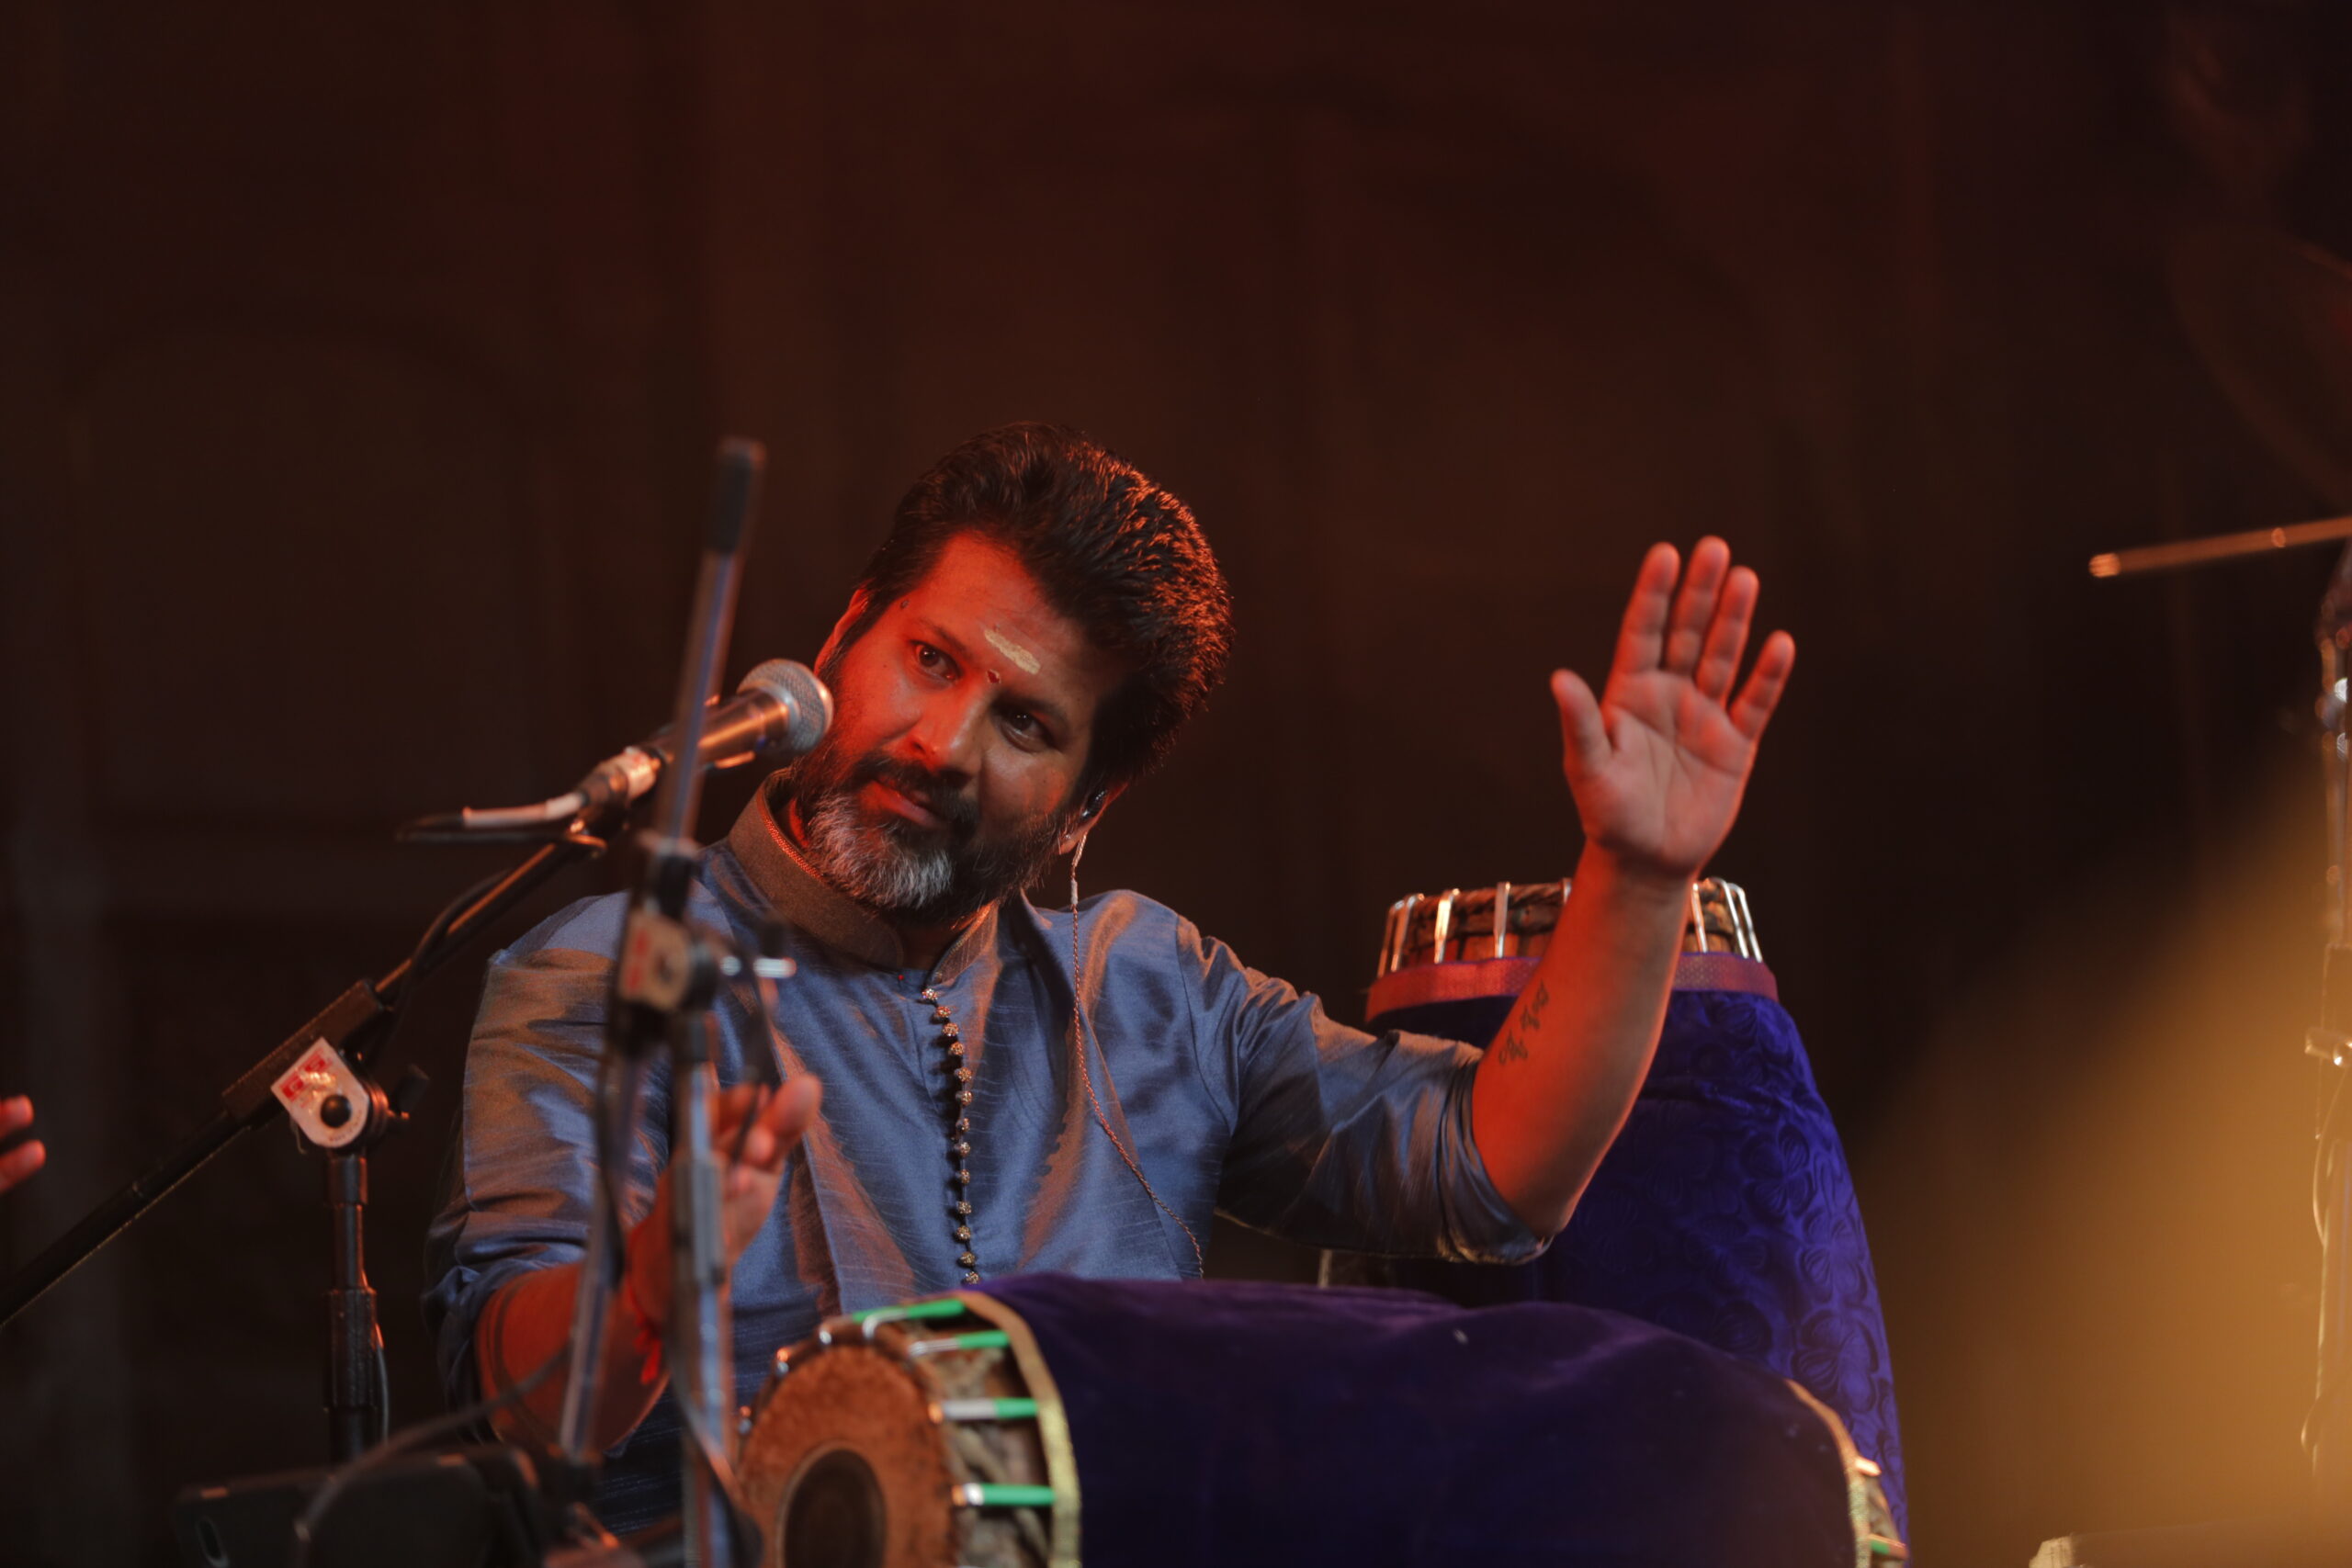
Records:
x=910, y=873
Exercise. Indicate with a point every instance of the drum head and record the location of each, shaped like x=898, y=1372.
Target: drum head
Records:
x=858, y=1480
x=927, y=1436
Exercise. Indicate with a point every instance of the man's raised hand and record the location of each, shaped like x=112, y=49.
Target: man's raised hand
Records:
x=1658, y=762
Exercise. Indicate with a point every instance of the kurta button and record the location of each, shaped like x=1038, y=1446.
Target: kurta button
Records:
x=959, y=1146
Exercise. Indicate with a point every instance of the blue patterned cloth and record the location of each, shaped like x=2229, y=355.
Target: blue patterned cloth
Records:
x=1725, y=1211
x=1233, y=1091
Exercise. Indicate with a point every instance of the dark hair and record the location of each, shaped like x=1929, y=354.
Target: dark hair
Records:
x=1111, y=550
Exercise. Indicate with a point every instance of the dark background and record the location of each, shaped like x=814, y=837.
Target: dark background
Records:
x=358, y=370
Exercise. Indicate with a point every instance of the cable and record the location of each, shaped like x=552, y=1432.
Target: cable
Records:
x=561, y=809
x=434, y=932
x=383, y=1390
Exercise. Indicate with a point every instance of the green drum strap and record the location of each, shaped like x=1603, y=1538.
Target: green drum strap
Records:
x=913, y=1311
x=1053, y=1424
x=988, y=1409
x=986, y=1494
x=983, y=1339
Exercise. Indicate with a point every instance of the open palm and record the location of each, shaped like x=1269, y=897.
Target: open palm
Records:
x=1658, y=762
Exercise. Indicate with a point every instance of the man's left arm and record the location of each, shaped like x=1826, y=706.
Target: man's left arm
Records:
x=1657, y=765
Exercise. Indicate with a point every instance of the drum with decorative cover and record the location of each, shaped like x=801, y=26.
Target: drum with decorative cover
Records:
x=1042, y=1420
x=1724, y=1210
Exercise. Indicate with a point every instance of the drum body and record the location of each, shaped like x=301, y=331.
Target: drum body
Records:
x=1724, y=1210
x=1234, y=1423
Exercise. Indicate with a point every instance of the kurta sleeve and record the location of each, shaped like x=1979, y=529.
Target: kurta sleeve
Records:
x=1341, y=1138
x=518, y=1182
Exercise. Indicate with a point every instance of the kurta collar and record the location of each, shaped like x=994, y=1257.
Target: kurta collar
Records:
x=800, y=896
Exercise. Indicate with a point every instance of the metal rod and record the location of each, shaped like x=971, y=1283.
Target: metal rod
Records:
x=698, y=1340
x=734, y=496
x=701, y=1347
x=2218, y=546
x=2328, y=1432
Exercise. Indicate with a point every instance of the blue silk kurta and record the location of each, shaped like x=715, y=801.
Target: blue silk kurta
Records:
x=1235, y=1092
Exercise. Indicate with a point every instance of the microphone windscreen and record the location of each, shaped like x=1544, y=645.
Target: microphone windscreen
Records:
x=802, y=695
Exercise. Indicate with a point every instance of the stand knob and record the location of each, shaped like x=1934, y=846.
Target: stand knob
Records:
x=409, y=1093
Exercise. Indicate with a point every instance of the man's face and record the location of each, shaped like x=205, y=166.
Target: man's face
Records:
x=963, y=720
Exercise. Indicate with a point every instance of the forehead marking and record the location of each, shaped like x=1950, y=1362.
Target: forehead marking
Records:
x=1012, y=651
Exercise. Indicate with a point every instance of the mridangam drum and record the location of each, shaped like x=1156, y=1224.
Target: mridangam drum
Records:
x=1156, y=1425
x=929, y=1433
x=1725, y=1209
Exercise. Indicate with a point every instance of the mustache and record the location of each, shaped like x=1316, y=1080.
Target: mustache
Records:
x=958, y=811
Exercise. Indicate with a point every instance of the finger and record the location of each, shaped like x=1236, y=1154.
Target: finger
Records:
x=790, y=1112
x=733, y=1107
x=1584, y=736
x=21, y=1162
x=1765, y=684
x=1727, y=635
x=1694, y=606
x=1641, y=639
x=782, y=1120
x=15, y=1113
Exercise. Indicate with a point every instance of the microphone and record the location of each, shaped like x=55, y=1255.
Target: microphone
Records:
x=781, y=710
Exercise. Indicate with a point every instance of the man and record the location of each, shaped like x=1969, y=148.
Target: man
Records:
x=1008, y=1088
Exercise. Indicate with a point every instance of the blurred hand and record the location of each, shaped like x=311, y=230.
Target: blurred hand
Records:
x=747, y=1186
x=26, y=1157
x=1657, y=763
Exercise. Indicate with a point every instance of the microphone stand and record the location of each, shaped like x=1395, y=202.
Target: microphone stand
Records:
x=2327, y=1429
x=662, y=987
x=317, y=1075
x=2327, y=1432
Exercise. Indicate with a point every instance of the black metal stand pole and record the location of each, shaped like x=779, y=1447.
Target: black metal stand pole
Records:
x=355, y=1395
x=2327, y=1432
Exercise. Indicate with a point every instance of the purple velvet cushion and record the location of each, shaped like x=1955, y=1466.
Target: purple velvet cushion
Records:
x=1226, y=1423
x=1725, y=1211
